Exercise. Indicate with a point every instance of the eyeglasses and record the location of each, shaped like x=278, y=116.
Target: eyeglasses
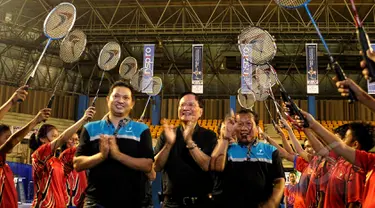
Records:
x=188, y=104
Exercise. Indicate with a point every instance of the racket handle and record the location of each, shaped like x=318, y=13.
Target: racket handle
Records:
x=94, y=101
x=341, y=76
x=365, y=44
x=274, y=126
x=50, y=102
x=26, y=88
x=294, y=108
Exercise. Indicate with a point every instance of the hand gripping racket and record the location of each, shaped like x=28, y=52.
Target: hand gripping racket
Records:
x=293, y=4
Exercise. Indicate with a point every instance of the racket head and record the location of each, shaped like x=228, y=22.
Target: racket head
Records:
x=269, y=71
x=135, y=81
x=256, y=45
x=128, y=68
x=246, y=101
x=262, y=77
x=260, y=93
x=292, y=4
x=157, y=86
x=60, y=21
x=72, y=46
x=109, y=56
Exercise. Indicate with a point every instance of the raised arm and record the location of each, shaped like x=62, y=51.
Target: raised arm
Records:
x=284, y=140
x=68, y=133
x=295, y=142
x=219, y=155
x=17, y=137
x=362, y=96
x=333, y=141
x=283, y=153
x=20, y=94
x=319, y=148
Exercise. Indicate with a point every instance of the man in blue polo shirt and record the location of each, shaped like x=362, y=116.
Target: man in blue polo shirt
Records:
x=253, y=171
x=117, y=152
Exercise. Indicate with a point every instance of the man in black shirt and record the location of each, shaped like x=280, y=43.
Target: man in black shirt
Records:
x=183, y=155
x=253, y=171
x=117, y=152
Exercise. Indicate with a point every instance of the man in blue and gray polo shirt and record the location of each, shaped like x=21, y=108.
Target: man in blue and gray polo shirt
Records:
x=253, y=175
x=117, y=152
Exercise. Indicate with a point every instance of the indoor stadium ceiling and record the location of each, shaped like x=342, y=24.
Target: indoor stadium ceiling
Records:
x=174, y=25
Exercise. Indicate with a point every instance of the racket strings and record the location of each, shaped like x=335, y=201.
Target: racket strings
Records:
x=128, y=68
x=135, y=81
x=109, y=56
x=256, y=45
x=60, y=21
x=157, y=86
x=72, y=46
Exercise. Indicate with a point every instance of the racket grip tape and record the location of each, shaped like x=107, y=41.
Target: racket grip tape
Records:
x=50, y=102
x=341, y=76
x=26, y=88
x=365, y=45
x=294, y=110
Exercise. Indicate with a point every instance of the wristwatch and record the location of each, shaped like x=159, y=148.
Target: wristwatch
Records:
x=191, y=146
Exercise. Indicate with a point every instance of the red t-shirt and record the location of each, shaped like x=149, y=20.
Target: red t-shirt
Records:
x=345, y=185
x=366, y=161
x=312, y=197
x=76, y=182
x=326, y=171
x=8, y=193
x=290, y=192
x=48, y=175
x=301, y=165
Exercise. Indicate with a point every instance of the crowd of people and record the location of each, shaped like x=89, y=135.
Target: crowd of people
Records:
x=112, y=161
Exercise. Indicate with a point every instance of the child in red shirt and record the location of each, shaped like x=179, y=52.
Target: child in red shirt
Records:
x=8, y=193
x=76, y=182
x=48, y=173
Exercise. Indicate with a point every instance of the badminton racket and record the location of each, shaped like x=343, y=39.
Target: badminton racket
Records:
x=57, y=25
x=71, y=49
x=108, y=59
x=293, y=4
x=137, y=80
x=246, y=101
x=258, y=83
x=128, y=68
x=364, y=41
x=156, y=88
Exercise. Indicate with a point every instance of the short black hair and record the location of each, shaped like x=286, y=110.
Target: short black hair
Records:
x=341, y=130
x=4, y=128
x=121, y=84
x=363, y=132
x=196, y=96
x=34, y=141
x=252, y=113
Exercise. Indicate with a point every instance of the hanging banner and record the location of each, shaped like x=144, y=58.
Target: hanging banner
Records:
x=246, y=70
x=371, y=86
x=197, y=69
x=312, y=68
x=148, y=68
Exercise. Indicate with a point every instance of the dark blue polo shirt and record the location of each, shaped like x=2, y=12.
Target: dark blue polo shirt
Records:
x=111, y=183
x=249, y=174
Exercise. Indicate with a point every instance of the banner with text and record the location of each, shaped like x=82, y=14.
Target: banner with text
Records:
x=371, y=86
x=246, y=70
x=312, y=68
x=197, y=69
x=148, y=68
